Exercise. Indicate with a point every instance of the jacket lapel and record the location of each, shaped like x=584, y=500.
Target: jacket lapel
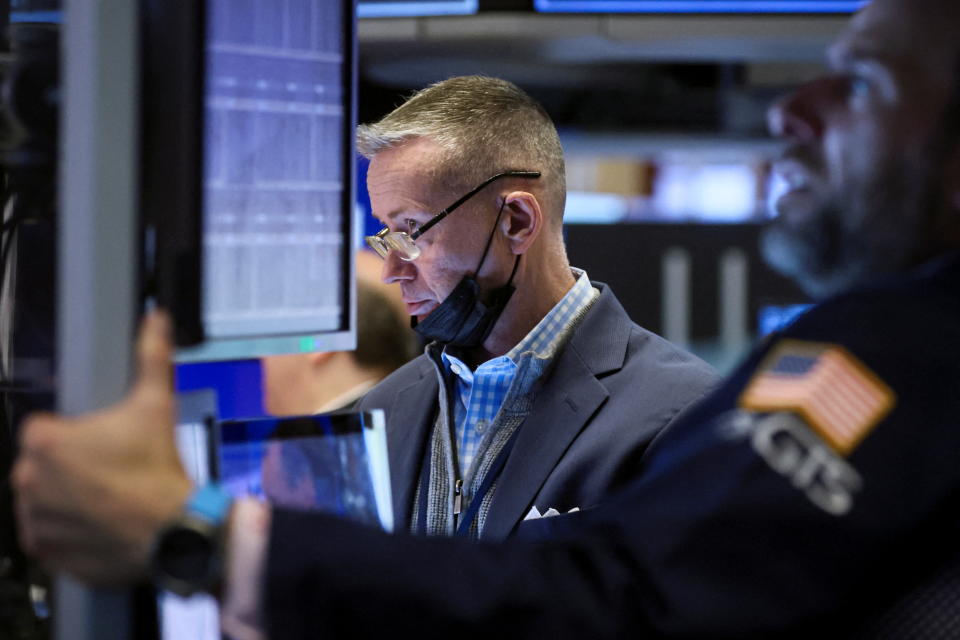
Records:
x=565, y=405
x=408, y=424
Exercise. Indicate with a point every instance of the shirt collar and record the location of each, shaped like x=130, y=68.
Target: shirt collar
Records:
x=544, y=338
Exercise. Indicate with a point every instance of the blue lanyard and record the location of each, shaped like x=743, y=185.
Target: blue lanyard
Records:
x=467, y=517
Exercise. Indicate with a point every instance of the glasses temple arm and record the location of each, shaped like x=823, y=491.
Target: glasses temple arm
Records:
x=443, y=214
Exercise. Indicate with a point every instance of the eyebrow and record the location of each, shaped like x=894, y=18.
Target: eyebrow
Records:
x=392, y=216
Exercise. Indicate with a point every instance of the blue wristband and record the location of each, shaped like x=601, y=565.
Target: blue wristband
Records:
x=210, y=503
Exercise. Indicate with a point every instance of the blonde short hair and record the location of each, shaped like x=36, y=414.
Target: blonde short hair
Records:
x=484, y=126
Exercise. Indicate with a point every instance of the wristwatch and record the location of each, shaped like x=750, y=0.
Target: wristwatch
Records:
x=187, y=555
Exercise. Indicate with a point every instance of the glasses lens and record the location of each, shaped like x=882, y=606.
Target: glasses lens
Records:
x=403, y=244
x=377, y=244
x=387, y=241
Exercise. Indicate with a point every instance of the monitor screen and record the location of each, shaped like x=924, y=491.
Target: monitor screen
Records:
x=411, y=8
x=699, y=6
x=332, y=462
x=251, y=217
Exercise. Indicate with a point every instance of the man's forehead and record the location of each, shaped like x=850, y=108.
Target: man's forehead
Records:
x=401, y=181
x=901, y=31
x=413, y=153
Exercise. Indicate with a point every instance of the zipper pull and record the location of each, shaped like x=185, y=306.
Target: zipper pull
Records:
x=457, y=496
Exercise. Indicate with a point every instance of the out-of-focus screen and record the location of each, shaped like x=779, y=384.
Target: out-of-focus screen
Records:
x=774, y=317
x=700, y=6
x=408, y=8
x=336, y=463
x=329, y=462
x=277, y=178
x=36, y=11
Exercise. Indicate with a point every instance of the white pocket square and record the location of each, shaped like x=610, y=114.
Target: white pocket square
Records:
x=534, y=513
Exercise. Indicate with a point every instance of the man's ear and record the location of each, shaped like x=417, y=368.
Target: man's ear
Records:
x=522, y=221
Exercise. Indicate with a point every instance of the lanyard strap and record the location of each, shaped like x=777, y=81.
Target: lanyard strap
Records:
x=424, y=486
x=463, y=527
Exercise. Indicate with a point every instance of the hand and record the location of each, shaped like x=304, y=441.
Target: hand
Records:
x=93, y=491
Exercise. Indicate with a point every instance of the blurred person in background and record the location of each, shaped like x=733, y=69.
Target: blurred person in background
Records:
x=323, y=381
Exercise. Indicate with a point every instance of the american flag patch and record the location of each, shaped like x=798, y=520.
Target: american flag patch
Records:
x=826, y=385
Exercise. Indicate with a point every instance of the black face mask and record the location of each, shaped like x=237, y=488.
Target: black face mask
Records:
x=462, y=319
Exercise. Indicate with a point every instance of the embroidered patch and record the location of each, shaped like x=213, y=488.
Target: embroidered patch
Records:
x=836, y=394
x=791, y=448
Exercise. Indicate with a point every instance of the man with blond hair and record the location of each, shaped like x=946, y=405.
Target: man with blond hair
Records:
x=536, y=394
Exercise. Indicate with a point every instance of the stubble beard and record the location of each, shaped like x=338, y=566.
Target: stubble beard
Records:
x=874, y=228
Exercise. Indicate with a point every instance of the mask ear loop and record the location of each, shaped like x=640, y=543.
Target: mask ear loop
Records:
x=490, y=240
x=516, y=263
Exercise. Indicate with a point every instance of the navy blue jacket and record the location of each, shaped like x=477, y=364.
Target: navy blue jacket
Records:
x=745, y=522
x=608, y=392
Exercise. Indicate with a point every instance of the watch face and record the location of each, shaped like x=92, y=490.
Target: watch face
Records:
x=187, y=554
x=186, y=559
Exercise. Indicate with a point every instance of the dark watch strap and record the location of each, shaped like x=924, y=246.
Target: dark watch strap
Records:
x=188, y=553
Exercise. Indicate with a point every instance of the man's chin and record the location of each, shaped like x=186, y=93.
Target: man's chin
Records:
x=806, y=259
x=798, y=208
x=420, y=310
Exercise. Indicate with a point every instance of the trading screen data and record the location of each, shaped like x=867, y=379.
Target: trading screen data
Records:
x=274, y=238
x=700, y=6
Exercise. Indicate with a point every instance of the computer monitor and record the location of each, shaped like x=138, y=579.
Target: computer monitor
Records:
x=413, y=8
x=699, y=6
x=334, y=462
x=248, y=174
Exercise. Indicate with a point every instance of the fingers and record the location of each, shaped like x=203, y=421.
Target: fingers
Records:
x=154, y=353
x=90, y=488
x=69, y=542
x=37, y=434
x=34, y=431
x=20, y=477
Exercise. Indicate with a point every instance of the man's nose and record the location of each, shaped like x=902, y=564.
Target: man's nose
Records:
x=797, y=116
x=396, y=269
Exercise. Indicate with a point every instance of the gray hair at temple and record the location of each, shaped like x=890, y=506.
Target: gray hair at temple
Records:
x=484, y=125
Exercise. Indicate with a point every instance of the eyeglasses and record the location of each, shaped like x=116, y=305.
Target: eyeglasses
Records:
x=405, y=244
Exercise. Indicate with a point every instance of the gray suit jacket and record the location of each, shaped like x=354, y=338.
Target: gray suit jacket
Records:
x=609, y=391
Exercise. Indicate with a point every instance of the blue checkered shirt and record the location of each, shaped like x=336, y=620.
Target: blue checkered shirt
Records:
x=479, y=394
